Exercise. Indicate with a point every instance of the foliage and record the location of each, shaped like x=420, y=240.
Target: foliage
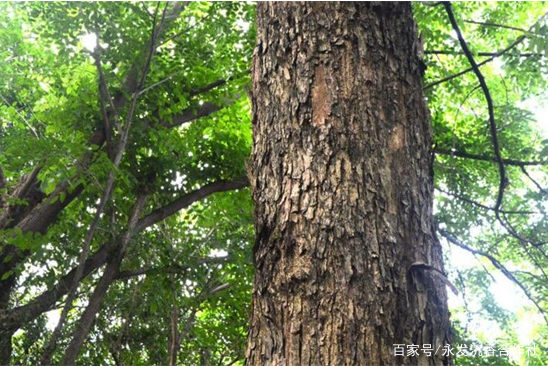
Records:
x=510, y=239
x=185, y=277
x=175, y=79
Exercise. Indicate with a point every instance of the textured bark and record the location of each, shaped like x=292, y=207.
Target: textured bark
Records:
x=343, y=189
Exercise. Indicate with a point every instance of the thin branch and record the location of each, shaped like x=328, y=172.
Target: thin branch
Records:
x=176, y=336
x=485, y=207
x=534, y=276
x=459, y=109
x=492, y=125
x=541, y=190
x=176, y=35
x=172, y=349
x=172, y=269
x=128, y=316
x=219, y=288
x=210, y=86
x=465, y=155
x=112, y=269
x=104, y=97
x=452, y=239
x=124, y=275
x=488, y=24
x=495, y=55
x=2, y=187
x=23, y=118
x=513, y=232
x=233, y=361
x=192, y=93
x=146, y=9
x=192, y=114
x=481, y=54
x=163, y=212
x=154, y=34
x=204, y=293
x=160, y=82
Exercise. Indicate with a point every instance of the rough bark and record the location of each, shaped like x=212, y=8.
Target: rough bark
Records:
x=345, y=246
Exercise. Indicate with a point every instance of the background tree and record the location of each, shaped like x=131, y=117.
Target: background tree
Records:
x=183, y=288
x=98, y=154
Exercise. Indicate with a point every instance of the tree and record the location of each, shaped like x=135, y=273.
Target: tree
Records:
x=342, y=168
x=174, y=285
x=347, y=262
x=98, y=157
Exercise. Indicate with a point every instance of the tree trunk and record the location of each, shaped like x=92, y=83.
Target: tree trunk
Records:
x=346, y=255
x=5, y=347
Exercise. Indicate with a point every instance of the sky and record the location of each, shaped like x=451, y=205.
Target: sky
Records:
x=506, y=293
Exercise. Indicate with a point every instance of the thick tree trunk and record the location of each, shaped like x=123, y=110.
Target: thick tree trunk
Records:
x=345, y=251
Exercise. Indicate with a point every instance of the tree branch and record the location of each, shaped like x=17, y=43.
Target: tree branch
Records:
x=192, y=93
x=464, y=154
x=174, y=269
x=492, y=125
x=104, y=97
x=204, y=110
x=485, y=207
x=177, y=336
x=15, y=318
x=45, y=301
x=541, y=190
x=112, y=269
x=7, y=219
x=209, y=86
x=482, y=54
x=2, y=187
x=513, y=232
x=488, y=24
x=186, y=30
x=452, y=239
x=76, y=343
x=495, y=55
x=163, y=212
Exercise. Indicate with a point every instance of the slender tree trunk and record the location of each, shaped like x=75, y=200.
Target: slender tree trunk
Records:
x=346, y=255
x=5, y=347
